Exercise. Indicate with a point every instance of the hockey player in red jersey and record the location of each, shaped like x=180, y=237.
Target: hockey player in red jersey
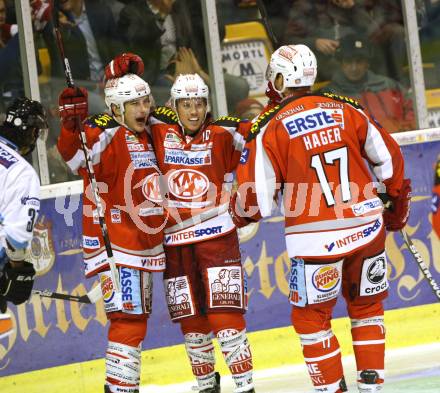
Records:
x=124, y=162
x=313, y=149
x=204, y=281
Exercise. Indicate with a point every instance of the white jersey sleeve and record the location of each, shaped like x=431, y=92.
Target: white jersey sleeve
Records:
x=19, y=199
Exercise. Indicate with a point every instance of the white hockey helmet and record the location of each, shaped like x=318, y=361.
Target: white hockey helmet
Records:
x=129, y=87
x=297, y=64
x=189, y=86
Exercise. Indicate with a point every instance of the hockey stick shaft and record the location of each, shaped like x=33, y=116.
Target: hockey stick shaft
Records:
x=265, y=20
x=91, y=297
x=90, y=171
x=423, y=267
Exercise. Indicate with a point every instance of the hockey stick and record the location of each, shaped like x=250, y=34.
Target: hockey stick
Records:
x=413, y=250
x=418, y=258
x=262, y=8
x=90, y=171
x=90, y=297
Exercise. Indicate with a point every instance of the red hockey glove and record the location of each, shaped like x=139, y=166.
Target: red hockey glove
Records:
x=396, y=216
x=238, y=218
x=127, y=63
x=72, y=105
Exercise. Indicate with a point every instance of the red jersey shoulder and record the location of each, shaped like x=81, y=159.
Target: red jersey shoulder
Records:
x=344, y=99
x=95, y=125
x=227, y=121
x=101, y=120
x=163, y=114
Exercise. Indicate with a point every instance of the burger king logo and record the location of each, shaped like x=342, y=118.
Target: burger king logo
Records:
x=107, y=288
x=326, y=278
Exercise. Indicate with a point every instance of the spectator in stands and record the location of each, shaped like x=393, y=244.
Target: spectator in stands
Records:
x=248, y=108
x=384, y=97
x=7, y=30
x=155, y=29
x=90, y=38
x=386, y=35
x=11, y=82
x=168, y=36
x=321, y=24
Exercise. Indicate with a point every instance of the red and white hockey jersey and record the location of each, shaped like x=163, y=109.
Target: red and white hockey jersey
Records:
x=317, y=149
x=197, y=175
x=124, y=164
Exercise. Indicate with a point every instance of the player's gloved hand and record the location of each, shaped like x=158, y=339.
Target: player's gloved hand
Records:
x=73, y=107
x=396, y=215
x=239, y=220
x=127, y=63
x=16, y=282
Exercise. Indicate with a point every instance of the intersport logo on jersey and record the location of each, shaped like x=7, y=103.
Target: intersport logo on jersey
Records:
x=354, y=237
x=188, y=184
x=313, y=120
x=193, y=234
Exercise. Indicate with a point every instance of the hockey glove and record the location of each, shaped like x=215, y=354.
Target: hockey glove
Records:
x=396, y=215
x=73, y=106
x=238, y=218
x=127, y=63
x=16, y=282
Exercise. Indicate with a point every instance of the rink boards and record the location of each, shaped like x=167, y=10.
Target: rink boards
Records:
x=63, y=341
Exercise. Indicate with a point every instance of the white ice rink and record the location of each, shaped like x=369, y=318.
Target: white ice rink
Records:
x=411, y=369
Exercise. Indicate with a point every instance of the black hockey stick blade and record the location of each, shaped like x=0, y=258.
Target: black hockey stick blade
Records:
x=422, y=265
x=91, y=297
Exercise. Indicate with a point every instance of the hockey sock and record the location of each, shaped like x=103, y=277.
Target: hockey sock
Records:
x=123, y=356
x=230, y=330
x=320, y=348
x=200, y=350
x=368, y=333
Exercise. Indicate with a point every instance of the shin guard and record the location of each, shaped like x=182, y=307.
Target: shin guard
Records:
x=238, y=357
x=123, y=368
x=200, y=351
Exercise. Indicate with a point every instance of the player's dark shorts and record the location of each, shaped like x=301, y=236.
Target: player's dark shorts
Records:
x=205, y=277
